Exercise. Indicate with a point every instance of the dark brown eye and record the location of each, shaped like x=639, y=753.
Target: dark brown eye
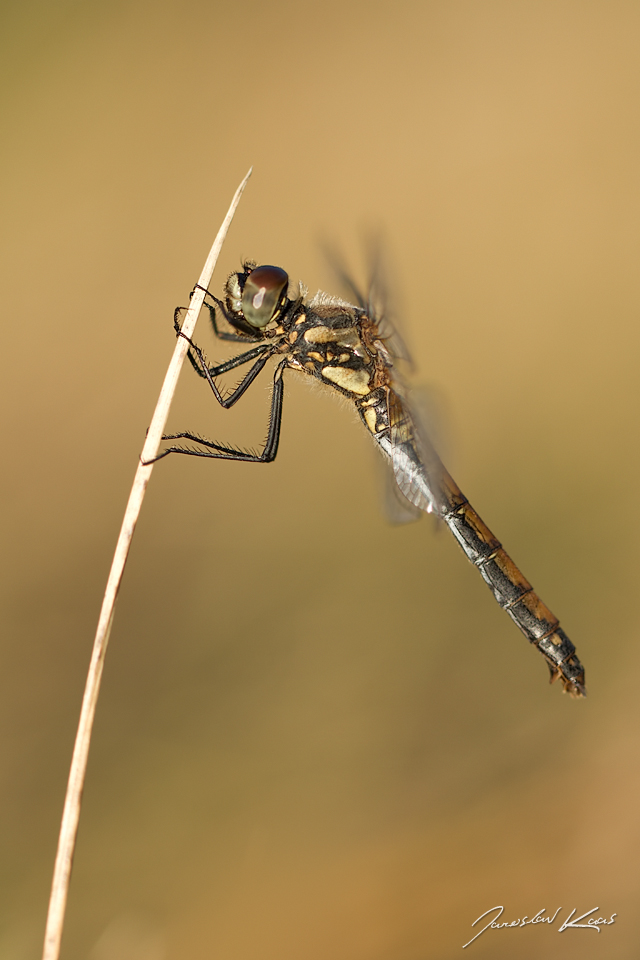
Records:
x=262, y=294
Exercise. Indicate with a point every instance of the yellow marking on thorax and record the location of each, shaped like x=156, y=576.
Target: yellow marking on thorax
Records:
x=320, y=335
x=301, y=318
x=344, y=336
x=316, y=356
x=356, y=381
x=370, y=418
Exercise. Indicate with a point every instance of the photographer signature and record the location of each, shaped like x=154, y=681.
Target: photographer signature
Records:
x=592, y=923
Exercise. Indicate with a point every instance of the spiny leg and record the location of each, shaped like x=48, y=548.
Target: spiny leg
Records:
x=219, y=451
x=263, y=353
x=234, y=362
x=201, y=367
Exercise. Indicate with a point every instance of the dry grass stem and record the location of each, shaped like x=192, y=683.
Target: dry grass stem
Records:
x=73, y=798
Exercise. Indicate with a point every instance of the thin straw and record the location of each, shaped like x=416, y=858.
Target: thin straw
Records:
x=73, y=798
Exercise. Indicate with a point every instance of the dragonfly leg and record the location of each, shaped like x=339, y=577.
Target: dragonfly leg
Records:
x=244, y=384
x=196, y=364
x=220, y=451
x=199, y=363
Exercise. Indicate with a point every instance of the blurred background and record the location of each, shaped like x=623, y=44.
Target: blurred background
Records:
x=318, y=735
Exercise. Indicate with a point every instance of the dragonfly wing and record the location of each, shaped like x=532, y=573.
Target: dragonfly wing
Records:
x=417, y=468
x=395, y=506
x=376, y=301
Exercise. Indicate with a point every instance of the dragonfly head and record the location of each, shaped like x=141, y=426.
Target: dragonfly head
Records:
x=256, y=296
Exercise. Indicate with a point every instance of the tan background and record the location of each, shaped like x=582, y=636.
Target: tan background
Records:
x=318, y=735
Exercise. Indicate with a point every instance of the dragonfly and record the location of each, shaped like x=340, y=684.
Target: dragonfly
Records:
x=353, y=349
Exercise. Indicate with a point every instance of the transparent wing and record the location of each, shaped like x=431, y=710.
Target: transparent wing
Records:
x=417, y=468
x=377, y=302
x=394, y=505
x=380, y=304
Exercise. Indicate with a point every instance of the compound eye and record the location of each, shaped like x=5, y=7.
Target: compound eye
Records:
x=262, y=293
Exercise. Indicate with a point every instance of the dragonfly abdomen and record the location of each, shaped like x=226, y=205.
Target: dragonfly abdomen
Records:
x=513, y=591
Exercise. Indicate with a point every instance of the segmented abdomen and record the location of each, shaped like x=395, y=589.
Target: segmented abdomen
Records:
x=511, y=589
